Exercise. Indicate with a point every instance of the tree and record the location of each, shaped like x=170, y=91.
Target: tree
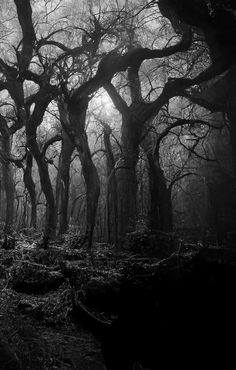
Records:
x=5, y=153
x=63, y=182
x=143, y=64
x=217, y=21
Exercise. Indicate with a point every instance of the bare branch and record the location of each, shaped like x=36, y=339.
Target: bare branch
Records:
x=51, y=141
x=24, y=12
x=113, y=63
x=119, y=103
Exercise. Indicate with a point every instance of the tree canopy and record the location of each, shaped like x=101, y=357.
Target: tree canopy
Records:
x=106, y=88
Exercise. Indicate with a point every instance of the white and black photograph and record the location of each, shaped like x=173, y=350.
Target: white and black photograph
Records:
x=117, y=184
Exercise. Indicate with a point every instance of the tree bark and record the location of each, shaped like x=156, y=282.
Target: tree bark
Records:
x=126, y=176
x=160, y=211
x=160, y=214
x=30, y=186
x=45, y=180
x=8, y=181
x=63, y=181
x=74, y=125
x=112, y=201
x=230, y=106
x=10, y=196
x=32, y=122
x=220, y=96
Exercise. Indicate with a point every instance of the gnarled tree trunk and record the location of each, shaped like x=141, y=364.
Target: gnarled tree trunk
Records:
x=9, y=186
x=45, y=180
x=63, y=182
x=74, y=125
x=160, y=214
x=8, y=181
x=112, y=202
x=30, y=186
x=126, y=177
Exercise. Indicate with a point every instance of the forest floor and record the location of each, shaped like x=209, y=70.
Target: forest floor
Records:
x=36, y=325
x=39, y=289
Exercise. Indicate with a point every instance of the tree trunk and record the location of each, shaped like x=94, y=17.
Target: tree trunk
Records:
x=9, y=185
x=92, y=183
x=10, y=196
x=45, y=181
x=77, y=133
x=154, y=217
x=112, y=202
x=231, y=112
x=30, y=186
x=126, y=177
x=63, y=181
x=160, y=214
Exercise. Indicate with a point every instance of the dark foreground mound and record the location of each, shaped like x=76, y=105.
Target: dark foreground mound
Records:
x=180, y=314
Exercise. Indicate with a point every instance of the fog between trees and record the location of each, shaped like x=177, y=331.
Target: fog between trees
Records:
x=111, y=120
